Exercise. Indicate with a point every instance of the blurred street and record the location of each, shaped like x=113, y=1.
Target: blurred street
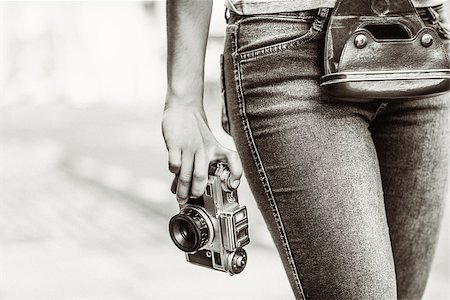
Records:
x=84, y=184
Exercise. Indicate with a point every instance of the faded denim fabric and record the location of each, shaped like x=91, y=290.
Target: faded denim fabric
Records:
x=352, y=193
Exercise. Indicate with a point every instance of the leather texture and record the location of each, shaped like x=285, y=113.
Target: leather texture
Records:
x=379, y=49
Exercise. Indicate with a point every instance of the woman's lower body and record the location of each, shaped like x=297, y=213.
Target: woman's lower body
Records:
x=352, y=193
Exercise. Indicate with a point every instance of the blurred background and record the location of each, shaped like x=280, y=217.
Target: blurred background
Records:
x=84, y=185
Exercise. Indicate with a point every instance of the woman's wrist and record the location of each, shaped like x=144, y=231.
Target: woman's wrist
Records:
x=191, y=99
x=184, y=83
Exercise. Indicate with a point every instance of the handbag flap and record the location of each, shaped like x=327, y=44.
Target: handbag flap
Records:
x=399, y=55
x=399, y=17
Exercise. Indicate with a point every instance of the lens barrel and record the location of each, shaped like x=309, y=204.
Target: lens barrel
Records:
x=189, y=229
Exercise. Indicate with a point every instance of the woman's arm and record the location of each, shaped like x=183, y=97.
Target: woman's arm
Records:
x=189, y=140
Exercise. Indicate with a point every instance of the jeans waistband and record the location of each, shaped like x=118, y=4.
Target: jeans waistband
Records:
x=430, y=14
x=231, y=16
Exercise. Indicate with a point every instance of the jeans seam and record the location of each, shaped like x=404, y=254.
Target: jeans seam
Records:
x=259, y=166
x=379, y=110
x=301, y=40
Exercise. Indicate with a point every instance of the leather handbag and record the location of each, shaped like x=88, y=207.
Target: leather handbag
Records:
x=381, y=49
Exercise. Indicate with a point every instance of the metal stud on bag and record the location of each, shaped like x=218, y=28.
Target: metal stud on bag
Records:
x=360, y=41
x=380, y=49
x=427, y=40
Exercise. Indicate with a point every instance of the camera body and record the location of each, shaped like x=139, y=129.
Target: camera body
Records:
x=213, y=228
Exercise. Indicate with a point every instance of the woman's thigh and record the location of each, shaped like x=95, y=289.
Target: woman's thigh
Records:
x=412, y=141
x=310, y=162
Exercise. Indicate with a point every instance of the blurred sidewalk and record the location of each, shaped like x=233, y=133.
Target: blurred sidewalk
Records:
x=84, y=210
x=63, y=238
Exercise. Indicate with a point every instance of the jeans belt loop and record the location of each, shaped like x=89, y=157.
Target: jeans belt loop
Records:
x=321, y=18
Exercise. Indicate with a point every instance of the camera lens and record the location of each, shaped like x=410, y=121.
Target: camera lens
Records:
x=189, y=230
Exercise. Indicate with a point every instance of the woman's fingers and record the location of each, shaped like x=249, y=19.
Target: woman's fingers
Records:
x=191, y=170
x=185, y=177
x=173, y=187
x=200, y=174
x=174, y=160
x=174, y=167
x=234, y=164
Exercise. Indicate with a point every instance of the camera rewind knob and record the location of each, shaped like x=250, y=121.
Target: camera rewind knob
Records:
x=238, y=261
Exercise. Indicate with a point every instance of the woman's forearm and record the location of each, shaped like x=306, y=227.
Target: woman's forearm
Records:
x=187, y=34
x=189, y=140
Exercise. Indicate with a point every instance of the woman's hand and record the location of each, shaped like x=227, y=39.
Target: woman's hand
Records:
x=192, y=147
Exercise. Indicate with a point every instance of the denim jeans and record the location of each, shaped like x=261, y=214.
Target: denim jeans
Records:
x=352, y=193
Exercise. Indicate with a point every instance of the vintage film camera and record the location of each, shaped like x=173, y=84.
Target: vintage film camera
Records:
x=213, y=228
